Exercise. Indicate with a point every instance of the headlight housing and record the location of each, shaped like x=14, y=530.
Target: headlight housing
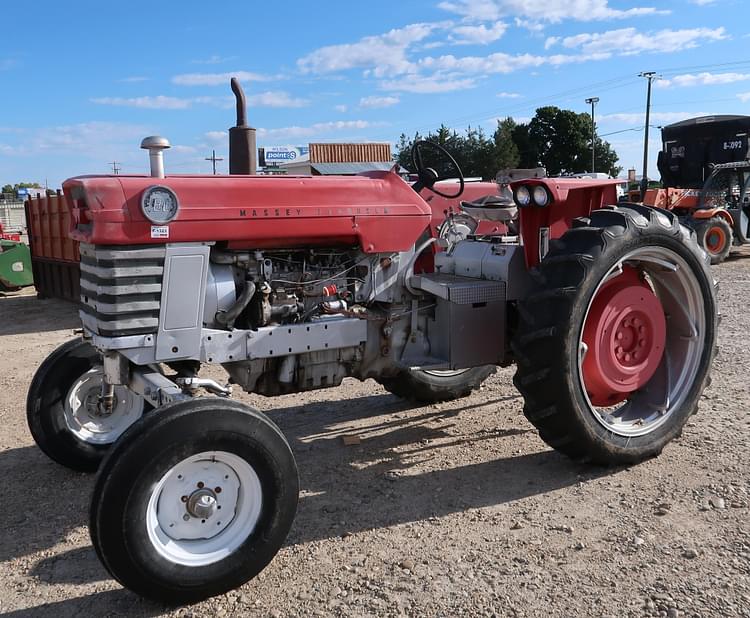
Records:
x=541, y=196
x=159, y=204
x=522, y=196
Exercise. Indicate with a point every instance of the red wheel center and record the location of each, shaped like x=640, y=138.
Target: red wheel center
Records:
x=715, y=240
x=625, y=334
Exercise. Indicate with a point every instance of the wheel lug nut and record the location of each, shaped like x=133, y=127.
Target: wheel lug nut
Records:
x=217, y=490
x=184, y=498
x=200, y=485
x=619, y=335
x=186, y=517
x=627, y=358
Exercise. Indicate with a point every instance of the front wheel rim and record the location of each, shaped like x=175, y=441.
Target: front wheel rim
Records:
x=84, y=417
x=652, y=404
x=715, y=240
x=204, y=508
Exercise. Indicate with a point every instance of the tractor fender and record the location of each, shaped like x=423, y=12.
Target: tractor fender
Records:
x=707, y=213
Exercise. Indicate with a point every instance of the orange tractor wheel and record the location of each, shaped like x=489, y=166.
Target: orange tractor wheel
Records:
x=715, y=236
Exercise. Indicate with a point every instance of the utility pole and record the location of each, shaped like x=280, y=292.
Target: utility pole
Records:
x=213, y=158
x=593, y=101
x=650, y=76
x=115, y=167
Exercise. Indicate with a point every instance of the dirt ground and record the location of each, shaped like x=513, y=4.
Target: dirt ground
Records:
x=456, y=509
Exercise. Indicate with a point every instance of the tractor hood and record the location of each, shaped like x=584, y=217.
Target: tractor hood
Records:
x=376, y=211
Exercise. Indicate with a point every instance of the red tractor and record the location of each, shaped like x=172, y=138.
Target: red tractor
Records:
x=292, y=284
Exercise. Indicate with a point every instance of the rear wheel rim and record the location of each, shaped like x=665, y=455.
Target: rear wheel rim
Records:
x=84, y=416
x=678, y=291
x=204, y=508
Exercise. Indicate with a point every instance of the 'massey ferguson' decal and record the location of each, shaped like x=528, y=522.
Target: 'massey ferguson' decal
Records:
x=271, y=213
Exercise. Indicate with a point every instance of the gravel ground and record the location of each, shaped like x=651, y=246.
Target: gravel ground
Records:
x=444, y=510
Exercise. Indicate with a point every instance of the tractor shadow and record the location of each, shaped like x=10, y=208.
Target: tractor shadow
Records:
x=24, y=313
x=737, y=256
x=411, y=464
x=379, y=483
x=50, y=502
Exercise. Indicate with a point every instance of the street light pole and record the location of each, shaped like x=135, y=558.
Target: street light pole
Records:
x=650, y=76
x=593, y=101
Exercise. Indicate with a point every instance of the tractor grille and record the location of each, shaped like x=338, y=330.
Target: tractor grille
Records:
x=121, y=288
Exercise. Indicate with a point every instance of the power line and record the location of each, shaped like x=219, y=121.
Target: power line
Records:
x=115, y=167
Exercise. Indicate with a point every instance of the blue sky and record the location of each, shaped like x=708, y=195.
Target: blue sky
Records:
x=83, y=82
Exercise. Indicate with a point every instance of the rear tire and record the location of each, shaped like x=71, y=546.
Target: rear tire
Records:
x=552, y=356
x=59, y=408
x=194, y=500
x=715, y=236
x=427, y=386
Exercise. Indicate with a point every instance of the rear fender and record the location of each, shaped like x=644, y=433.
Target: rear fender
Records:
x=707, y=213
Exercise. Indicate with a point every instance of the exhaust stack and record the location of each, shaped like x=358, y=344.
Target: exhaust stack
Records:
x=155, y=144
x=242, y=149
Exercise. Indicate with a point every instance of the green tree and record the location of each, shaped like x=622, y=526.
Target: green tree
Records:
x=506, y=150
x=20, y=185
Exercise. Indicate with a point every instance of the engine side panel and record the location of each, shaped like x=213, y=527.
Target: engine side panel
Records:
x=378, y=212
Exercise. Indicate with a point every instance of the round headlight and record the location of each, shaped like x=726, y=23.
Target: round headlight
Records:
x=541, y=197
x=159, y=204
x=523, y=197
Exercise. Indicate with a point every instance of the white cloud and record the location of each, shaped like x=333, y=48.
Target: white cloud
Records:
x=158, y=102
x=217, y=79
x=262, y=99
x=703, y=79
x=500, y=62
x=318, y=128
x=478, y=35
x=86, y=137
x=551, y=40
x=744, y=97
x=428, y=85
x=508, y=95
x=277, y=98
x=341, y=108
x=215, y=59
x=385, y=54
x=133, y=80
x=374, y=102
x=655, y=117
x=628, y=41
x=552, y=11
x=703, y=2
x=216, y=137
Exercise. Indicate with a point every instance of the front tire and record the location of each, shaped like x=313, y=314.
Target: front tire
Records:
x=432, y=386
x=62, y=408
x=615, y=347
x=194, y=500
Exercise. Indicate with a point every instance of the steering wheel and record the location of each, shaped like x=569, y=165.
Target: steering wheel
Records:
x=428, y=176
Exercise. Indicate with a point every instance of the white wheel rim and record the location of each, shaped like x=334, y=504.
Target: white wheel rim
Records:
x=228, y=490
x=682, y=300
x=84, y=417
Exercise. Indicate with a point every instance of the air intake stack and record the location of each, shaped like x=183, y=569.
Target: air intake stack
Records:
x=242, y=150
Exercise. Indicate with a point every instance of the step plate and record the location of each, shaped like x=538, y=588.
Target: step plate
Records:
x=461, y=290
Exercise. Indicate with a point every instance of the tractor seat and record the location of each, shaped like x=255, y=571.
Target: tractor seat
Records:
x=492, y=208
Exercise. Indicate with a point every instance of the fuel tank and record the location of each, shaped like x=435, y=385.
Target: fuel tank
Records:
x=377, y=211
